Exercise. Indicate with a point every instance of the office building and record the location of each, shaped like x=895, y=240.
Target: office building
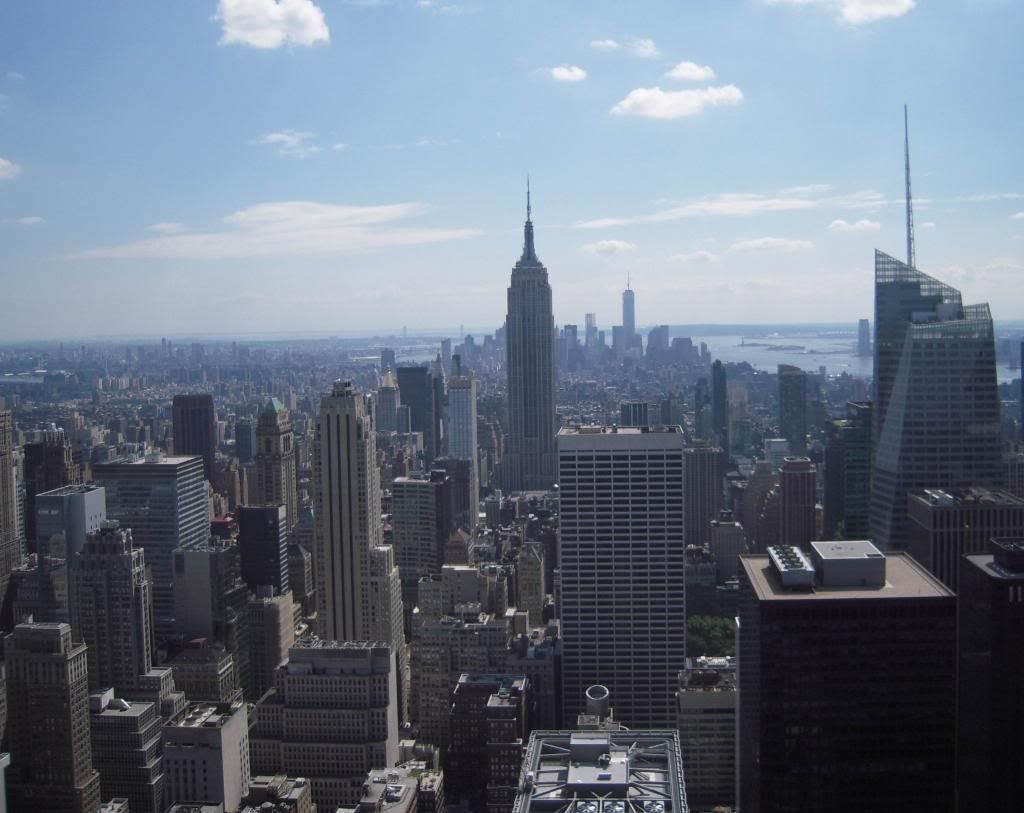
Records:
x=48, y=722
x=797, y=491
x=947, y=525
x=706, y=719
x=531, y=586
x=245, y=440
x=271, y=635
x=936, y=395
x=48, y=464
x=422, y=518
x=263, y=533
x=275, y=461
x=537, y=653
x=127, y=750
x=206, y=672
x=10, y=542
x=990, y=731
x=623, y=592
x=110, y=608
x=278, y=794
x=847, y=475
x=634, y=413
x=164, y=501
x=727, y=542
x=206, y=754
x=195, y=429
x=846, y=664
x=331, y=717
x=387, y=359
x=864, y=338
x=388, y=401
x=618, y=770
x=65, y=516
x=793, y=407
x=720, y=407
x=489, y=726
x=629, y=316
x=702, y=488
x=418, y=390
x=462, y=435
x=529, y=459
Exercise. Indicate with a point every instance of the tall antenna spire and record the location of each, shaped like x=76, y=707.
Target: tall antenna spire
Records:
x=528, y=211
x=911, y=259
x=529, y=252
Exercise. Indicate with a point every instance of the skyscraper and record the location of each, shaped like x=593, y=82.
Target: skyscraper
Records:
x=529, y=460
x=48, y=465
x=864, y=338
x=275, y=461
x=990, y=764
x=702, y=489
x=847, y=690
x=165, y=503
x=462, y=433
x=936, y=395
x=720, y=407
x=848, y=473
x=422, y=518
x=629, y=315
x=110, y=609
x=793, y=407
x=623, y=592
x=263, y=546
x=245, y=440
x=10, y=547
x=797, y=491
x=418, y=392
x=387, y=404
x=48, y=722
x=195, y=429
x=65, y=516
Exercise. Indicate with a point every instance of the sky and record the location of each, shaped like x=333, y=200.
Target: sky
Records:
x=261, y=166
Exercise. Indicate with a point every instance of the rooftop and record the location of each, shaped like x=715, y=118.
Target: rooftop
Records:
x=68, y=491
x=904, y=578
x=975, y=495
x=206, y=715
x=620, y=430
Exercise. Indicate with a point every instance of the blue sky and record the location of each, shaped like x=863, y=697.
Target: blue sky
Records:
x=262, y=165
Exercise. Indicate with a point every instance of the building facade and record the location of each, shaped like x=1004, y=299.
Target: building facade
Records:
x=275, y=461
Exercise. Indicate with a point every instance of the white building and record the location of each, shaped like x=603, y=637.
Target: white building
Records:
x=206, y=754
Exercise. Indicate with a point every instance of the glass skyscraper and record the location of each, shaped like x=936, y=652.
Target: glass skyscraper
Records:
x=936, y=395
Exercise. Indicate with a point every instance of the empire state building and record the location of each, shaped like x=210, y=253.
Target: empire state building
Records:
x=529, y=463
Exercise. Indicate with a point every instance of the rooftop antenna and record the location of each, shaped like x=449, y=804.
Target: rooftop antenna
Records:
x=528, y=210
x=911, y=260
x=628, y=286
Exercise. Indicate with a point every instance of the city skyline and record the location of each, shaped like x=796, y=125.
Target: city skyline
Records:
x=354, y=193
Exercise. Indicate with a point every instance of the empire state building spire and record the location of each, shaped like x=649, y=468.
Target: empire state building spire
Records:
x=529, y=252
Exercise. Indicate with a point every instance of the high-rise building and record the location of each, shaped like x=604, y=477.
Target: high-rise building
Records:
x=847, y=475
x=331, y=717
x=845, y=665
x=388, y=401
x=634, y=413
x=275, y=461
x=263, y=545
x=706, y=719
x=48, y=464
x=864, y=338
x=422, y=518
x=127, y=751
x=720, y=407
x=529, y=459
x=206, y=754
x=726, y=543
x=947, y=525
x=165, y=503
x=245, y=440
x=936, y=395
x=531, y=589
x=489, y=726
x=793, y=407
x=387, y=359
x=206, y=672
x=797, y=491
x=990, y=731
x=618, y=770
x=271, y=635
x=110, y=608
x=629, y=315
x=10, y=544
x=195, y=429
x=462, y=433
x=48, y=722
x=65, y=516
x=621, y=545
x=418, y=391
x=702, y=489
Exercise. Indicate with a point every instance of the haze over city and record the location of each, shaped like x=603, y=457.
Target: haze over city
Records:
x=336, y=166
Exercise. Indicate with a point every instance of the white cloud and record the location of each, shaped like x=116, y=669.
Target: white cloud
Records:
x=782, y=244
x=606, y=45
x=291, y=228
x=655, y=103
x=167, y=228
x=691, y=72
x=14, y=76
x=8, y=169
x=695, y=258
x=744, y=204
x=568, y=73
x=1017, y=216
x=440, y=8
x=339, y=147
x=643, y=48
x=988, y=196
x=269, y=24
x=30, y=220
x=290, y=142
x=608, y=248
x=859, y=225
x=927, y=224
x=855, y=12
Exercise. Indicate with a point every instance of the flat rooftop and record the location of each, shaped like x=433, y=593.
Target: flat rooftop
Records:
x=68, y=491
x=959, y=497
x=904, y=578
x=620, y=430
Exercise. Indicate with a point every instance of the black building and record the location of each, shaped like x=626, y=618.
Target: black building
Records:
x=263, y=545
x=195, y=429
